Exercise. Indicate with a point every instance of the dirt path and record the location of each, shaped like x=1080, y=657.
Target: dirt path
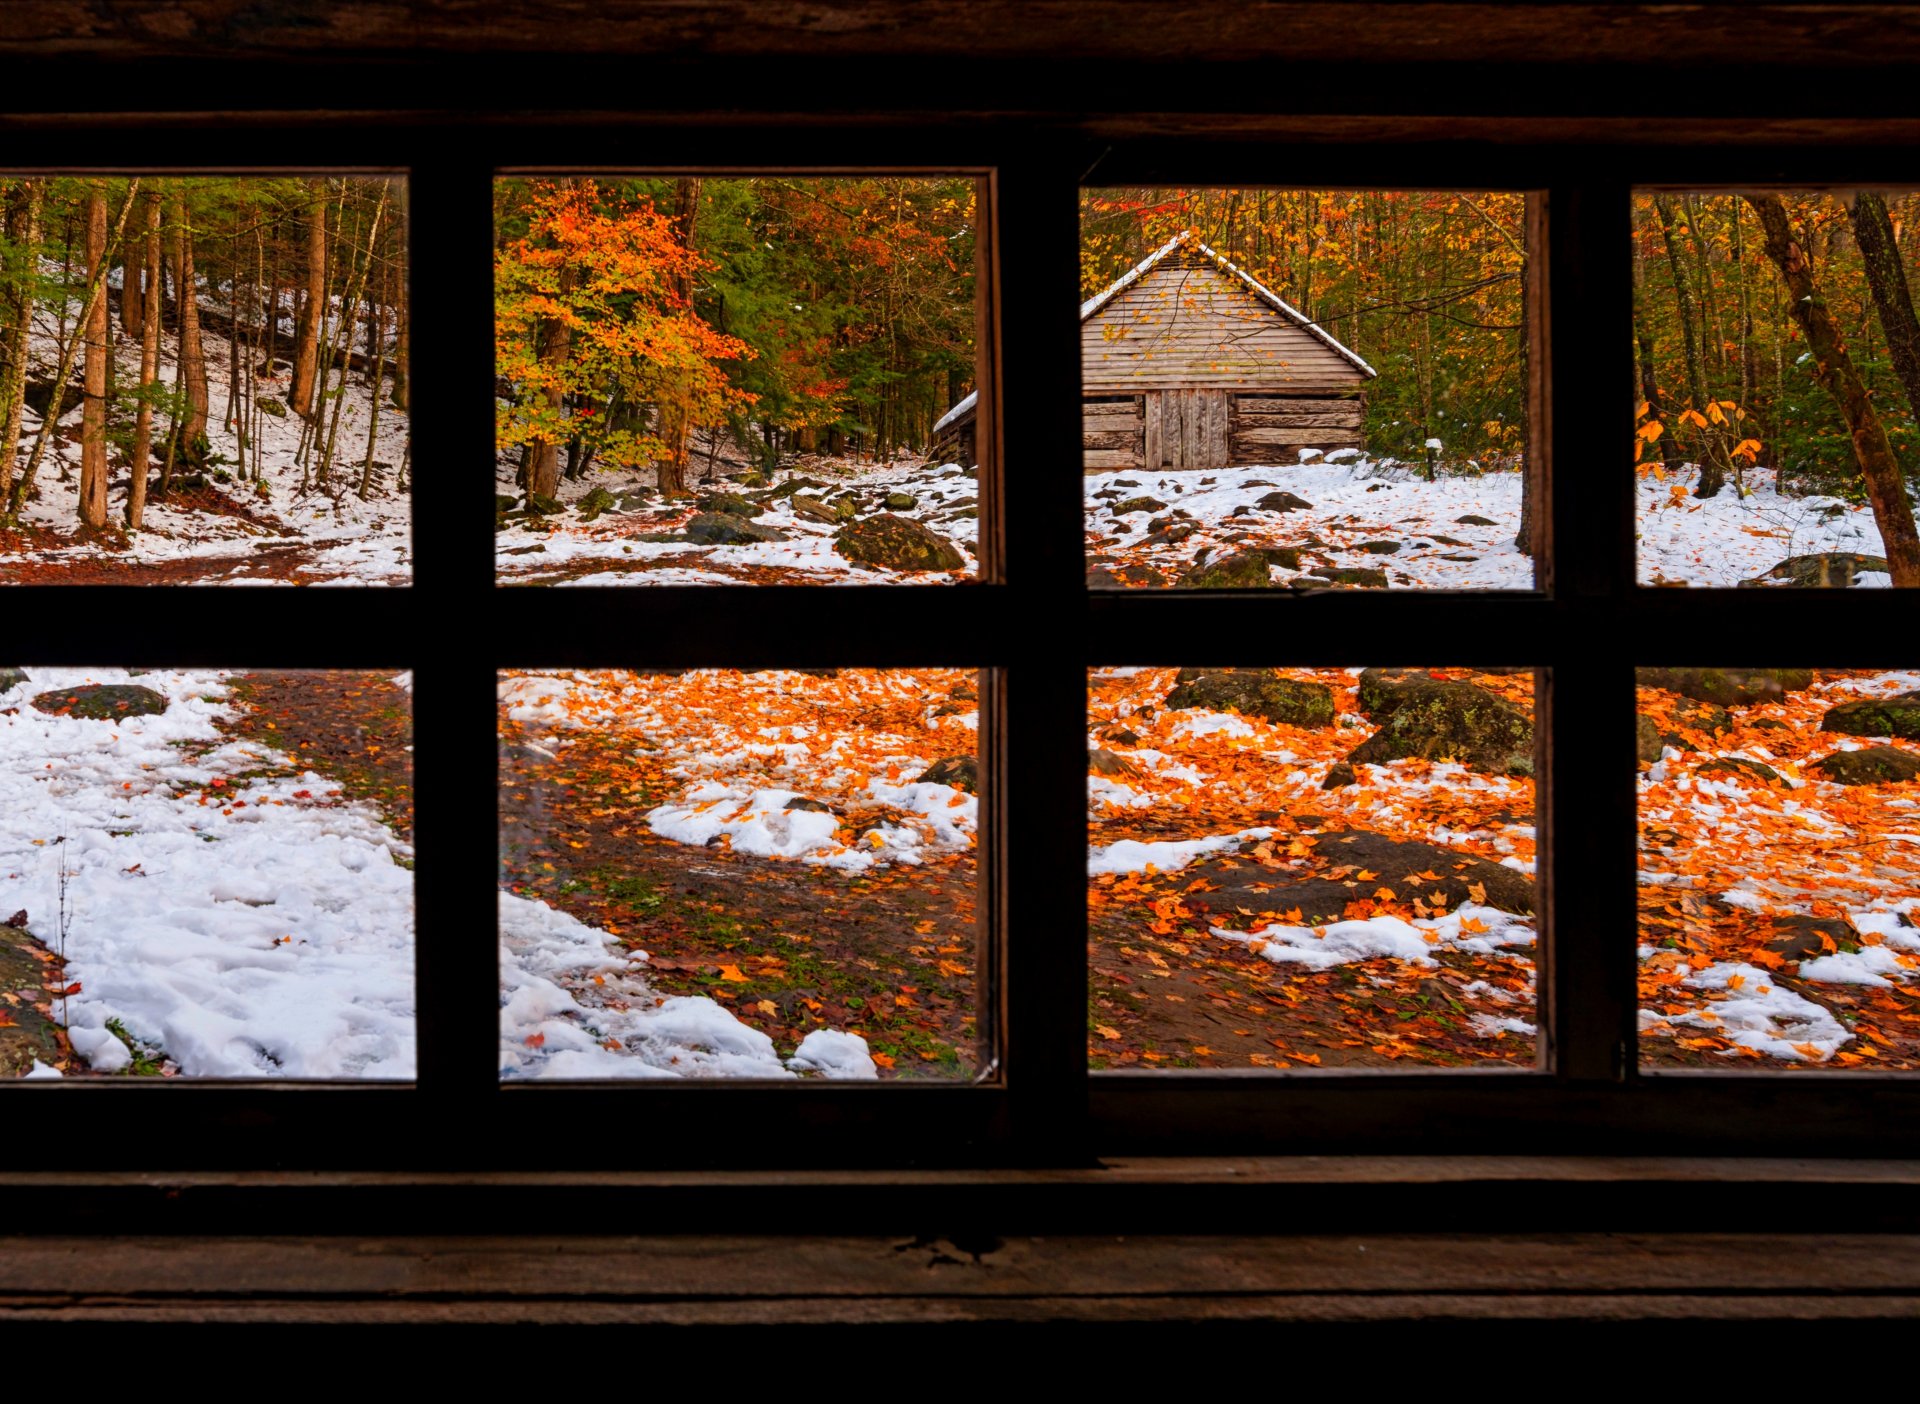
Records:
x=786, y=946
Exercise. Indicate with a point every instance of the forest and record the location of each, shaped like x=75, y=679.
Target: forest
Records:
x=204, y=379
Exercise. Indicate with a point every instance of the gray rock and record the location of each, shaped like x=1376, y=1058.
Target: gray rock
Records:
x=724, y=529
x=896, y=543
x=1876, y=765
x=102, y=702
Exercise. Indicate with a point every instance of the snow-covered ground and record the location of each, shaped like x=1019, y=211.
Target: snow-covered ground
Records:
x=330, y=535
x=553, y=550
x=225, y=908
x=1721, y=540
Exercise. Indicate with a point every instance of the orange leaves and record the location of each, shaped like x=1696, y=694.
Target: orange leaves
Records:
x=731, y=973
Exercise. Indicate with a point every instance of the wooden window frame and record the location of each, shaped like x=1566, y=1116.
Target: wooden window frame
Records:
x=1034, y=626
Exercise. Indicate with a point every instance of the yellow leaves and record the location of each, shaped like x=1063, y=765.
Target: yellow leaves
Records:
x=1473, y=926
x=883, y=1060
x=1112, y=1035
x=1365, y=875
x=767, y=1007
x=1651, y=431
x=1477, y=893
x=1384, y=894
x=732, y=974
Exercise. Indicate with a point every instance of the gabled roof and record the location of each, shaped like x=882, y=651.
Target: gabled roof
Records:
x=1260, y=290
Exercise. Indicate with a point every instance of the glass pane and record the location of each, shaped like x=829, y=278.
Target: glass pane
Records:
x=1779, y=868
x=206, y=873
x=1310, y=389
x=721, y=874
x=735, y=380
x=1311, y=867
x=1774, y=435
x=255, y=433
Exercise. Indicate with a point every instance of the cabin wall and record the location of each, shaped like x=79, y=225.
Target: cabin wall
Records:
x=1209, y=428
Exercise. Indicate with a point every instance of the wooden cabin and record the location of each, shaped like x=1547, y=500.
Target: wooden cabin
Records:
x=1190, y=362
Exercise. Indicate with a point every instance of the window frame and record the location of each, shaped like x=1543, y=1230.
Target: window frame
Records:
x=1034, y=627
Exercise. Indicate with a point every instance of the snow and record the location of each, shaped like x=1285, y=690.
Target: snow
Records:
x=332, y=536
x=1165, y=855
x=1720, y=541
x=1757, y=1013
x=959, y=409
x=268, y=933
x=575, y=1005
x=1345, y=942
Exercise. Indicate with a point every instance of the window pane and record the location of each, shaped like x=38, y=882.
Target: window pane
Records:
x=1300, y=867
x=1779, y=868
x=1774, y=430
x=721, y=874
x=736, y=380
x=206, y=873
x=254, y=433
x=1309, y=389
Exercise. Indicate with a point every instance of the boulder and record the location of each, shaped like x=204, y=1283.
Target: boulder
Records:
x=802, y=802
x=102, y=702
x=1876, y=765
x=1323, y=886
x=1649, y=744
x=1137, y=504
x=1474, y=519
x=1890, y=716
x=1169, y=531
x=725, y=529
x=1254, y=692
x=1379, y=548
x=1244, y=570
x=1727, y=687
x=961, y=772
x=11, y=678
x=594, y=503
x=1805, y=937
x=1731, y=766
x=813, y=508
x=1359, y=576
x=1107, y=576
x=539, y=505
x=731, y=504
x=1461, y=721
x=790, y=487
x=1339, y=776
x=1104, y=762
x=896, y=543
x=268, y=405
x=901, y=502
x=1282, y=502
x=1826, y=570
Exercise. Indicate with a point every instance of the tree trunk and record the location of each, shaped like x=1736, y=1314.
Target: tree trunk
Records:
x=556, y=341
x=402, y=347
x=1712, y=475
x=306, y=346
x=23, y=230
x=375, y=333
x=93, y=413
x=149, y=372
x=1649, y=370
x=132, y=295
x=1892, y=299
x=193, y=357
x=675, y=407
x=1834, y=369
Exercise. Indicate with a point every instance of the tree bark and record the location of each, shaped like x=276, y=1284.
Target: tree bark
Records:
x=556, y=341
x=132, y=295
x=306, y=346
x=1892, y=298
x=93, y=412
x=23, y=230
x=1712, y=475
x=193, y=357
x=149, y=372
x=676, y=406
x=1649, y=372
x=1834, y=369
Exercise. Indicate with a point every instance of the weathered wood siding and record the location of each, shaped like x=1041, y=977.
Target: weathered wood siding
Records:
x=1273, y=429
x=1111, y=433
x=1186, y=325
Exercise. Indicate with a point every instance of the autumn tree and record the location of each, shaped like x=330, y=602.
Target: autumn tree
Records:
x=140, y=456
x=306, y=336
x=93, y=423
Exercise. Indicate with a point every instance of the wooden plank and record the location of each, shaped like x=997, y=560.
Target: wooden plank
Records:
x=1173, y=409
x=1218, y=427
x=1274, y=402
x=1128, y=439
x=1345, y=417
x=1111, y=409
x=1334, y=437
x=1110, y=458
x=1153, y=455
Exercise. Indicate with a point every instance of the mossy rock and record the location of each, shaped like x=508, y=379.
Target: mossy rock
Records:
x=896, y=543
x=27, y=1036
x=813, y=509
x=1137, y=504
x=594, y=503
x=1244, y=570
x=1827, y=570
x=790, y=487
x=1229, y=885
x=102, y=702
x=845, y=509
x=1738, y=766
x=1889, y=716
x=1104, y=575
x=1728, y=687
x=1649, y=744
x=11, y=678
x=1434, y=720
x=961, y=772
x=725, y=529
x=503, y=502
x=1700, y=716
x=540, y=505
x=731, y=503
x=901, y=502
x=1255, y=692
x=268, y=405
x=1358, y=576
x=1281, y=502
x=1876, y=765
x=1474, y=519
x=1379, y=548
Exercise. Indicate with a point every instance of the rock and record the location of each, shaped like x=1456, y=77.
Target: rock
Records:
x=1769, y=724
x=11, y=678
x=1829, y=570
x=1458, y=720
x=39, y=395
x=1738, y=765
x=594, y=503
x=1282, y=502
x=1245, y=570
x=1700, y=716
x=896, y=543
x=1111, y=577
x=964, y=693
x=1471, y=519
x=901, y=502
x=790, y=487
x=731, y=504
x=813, y=508
x=1359, y=576
x=1105, y=762
x=1804, y=937
x=1339, y=776
x=268, y=405
x=1876, y=765
x=1436, y=537
x=102, y=702
x=1120, y=736
x=1464, y=560
x=634, y=501
x=1137, y=504
x=1255, y=692
x=961, y=772
x=802, y=802
x=1231, y=885
x=502, y=502
x=540, y=505
x=1649, y=744
x=1890, y=716
x=725, y=529
x=845, y=509
x=1169, y=530
x=961, y=514
x=27, y=1035
x=1379, y=548
x=1258, y=482
x=1727, y=687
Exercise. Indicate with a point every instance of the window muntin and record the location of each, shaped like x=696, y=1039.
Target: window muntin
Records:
x=277, y=443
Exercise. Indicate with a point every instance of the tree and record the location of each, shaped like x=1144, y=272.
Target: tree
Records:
x=93, y=330
x=1712, y=468
x=1887, y=280
x=676, y=402
x=306, y=345
x=132, y=293
x=1836, y=373
x=23, y=238
x=142, y=452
